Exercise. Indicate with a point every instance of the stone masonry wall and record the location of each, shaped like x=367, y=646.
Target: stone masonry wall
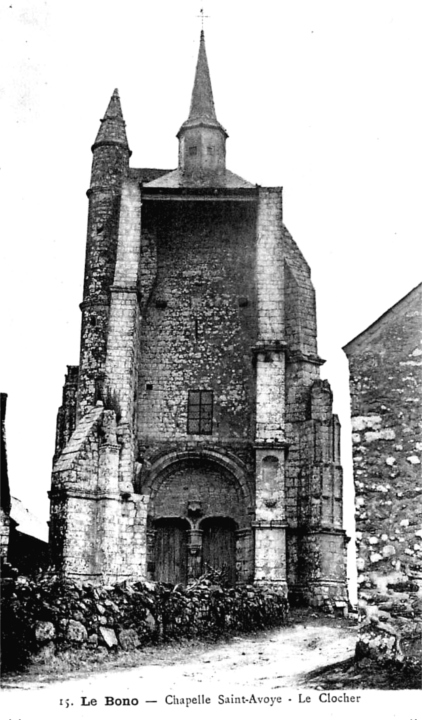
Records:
x=270, y=351
x=198, y=303
x=200, y=322
x=5, y=489
x=66, y=416
x=386, y=391
x=110, y=164
x=213, y=488
x=299, y=298
x=270, y=266
x=316, y=542
x=122, y=345
x=316, y=547
x=95, y=531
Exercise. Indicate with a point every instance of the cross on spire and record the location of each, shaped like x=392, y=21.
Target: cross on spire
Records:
x=202, y=16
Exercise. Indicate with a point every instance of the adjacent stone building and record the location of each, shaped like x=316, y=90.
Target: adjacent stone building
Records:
x=386, y=392
x=196, y=431
x=5, y=489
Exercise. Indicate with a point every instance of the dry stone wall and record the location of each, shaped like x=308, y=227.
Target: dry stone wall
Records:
x=48, y=616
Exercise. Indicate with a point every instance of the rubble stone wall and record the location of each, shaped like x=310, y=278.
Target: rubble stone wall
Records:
x=200, y=323
x=386, y=392
x=48, y=616
x=110, y=164
x=5, y=488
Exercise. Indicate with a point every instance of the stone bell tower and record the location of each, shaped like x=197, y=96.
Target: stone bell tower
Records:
x=196, y=431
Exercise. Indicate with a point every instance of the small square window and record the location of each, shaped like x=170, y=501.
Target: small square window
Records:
x=210, y=149
x=193, y=150
x=200, y=411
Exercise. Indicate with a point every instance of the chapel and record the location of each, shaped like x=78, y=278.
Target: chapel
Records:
x=196, y=432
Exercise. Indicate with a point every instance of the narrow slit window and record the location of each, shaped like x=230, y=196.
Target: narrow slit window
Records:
x=200, y=410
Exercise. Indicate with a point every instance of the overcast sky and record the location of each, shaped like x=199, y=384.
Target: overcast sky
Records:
x=322, y=98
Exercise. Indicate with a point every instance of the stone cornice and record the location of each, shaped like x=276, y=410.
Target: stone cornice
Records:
x=123, y=289
x=271, y=445
x=110, y=143
x=93, y=303
x=269, y=346
x=269, y=524
x=299, y=357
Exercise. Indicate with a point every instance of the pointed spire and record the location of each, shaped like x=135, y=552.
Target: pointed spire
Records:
x=202, y=140
x=202, y=102
x=112, y=129
x=202, y=110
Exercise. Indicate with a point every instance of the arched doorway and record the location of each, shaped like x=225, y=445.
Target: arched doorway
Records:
x=219, y=546
x=170, y=550
x=198, y=517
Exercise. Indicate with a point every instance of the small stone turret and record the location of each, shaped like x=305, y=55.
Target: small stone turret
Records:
x=109, y=166
x=202, y=140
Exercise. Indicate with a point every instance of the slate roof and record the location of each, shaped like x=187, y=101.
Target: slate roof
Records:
x=146, y=175
x=175, y=179
x=112, y=127
x=202, y=110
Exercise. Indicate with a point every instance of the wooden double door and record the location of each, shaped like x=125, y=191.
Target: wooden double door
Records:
x=174, y=554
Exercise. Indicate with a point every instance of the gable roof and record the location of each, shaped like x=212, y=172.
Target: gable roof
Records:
x=390, y=314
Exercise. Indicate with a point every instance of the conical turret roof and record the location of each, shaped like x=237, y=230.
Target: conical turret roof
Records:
x=112, y=129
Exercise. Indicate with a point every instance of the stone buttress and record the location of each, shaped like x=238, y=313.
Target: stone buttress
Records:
x=270, y=443
x=316, y=542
